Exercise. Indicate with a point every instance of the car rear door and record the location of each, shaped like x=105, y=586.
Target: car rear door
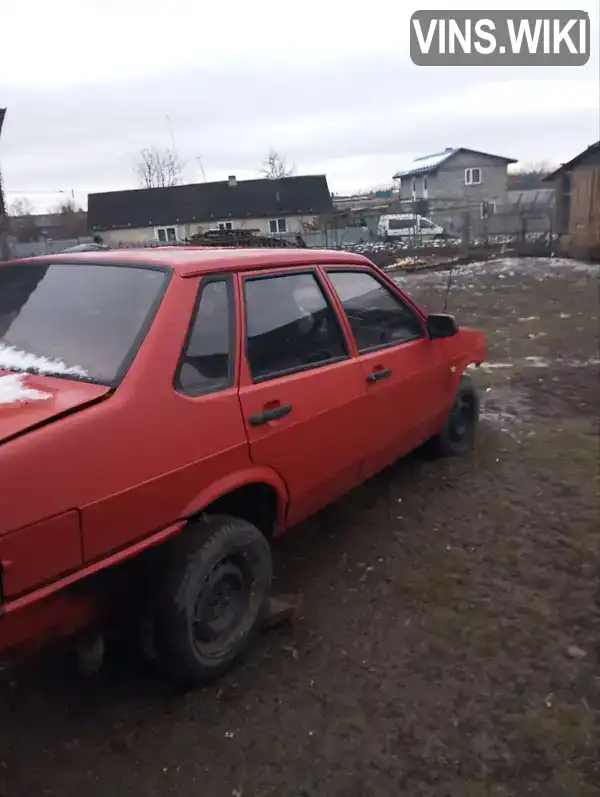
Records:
x=402, y=367
x=302, y=393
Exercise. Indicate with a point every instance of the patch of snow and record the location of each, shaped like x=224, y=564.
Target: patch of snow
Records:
x=537, y=362
x=582, y=363
x=530, y=318
x=14, y=390
x=507, y=410
x=489, y=366
x=426, y=162
x=11, y=359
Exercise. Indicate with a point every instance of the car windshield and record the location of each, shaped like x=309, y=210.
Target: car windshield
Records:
x=75, y=321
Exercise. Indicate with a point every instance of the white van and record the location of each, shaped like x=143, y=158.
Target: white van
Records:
x=401, y=226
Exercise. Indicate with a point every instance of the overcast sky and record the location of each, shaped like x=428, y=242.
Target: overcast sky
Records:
x=89, y=83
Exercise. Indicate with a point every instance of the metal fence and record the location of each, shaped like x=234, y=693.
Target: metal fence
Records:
x=47, y=247
x=464, y=225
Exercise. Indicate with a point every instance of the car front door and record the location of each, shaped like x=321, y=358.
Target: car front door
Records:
x=407, y=380
x=427, y=228
x=302, y=393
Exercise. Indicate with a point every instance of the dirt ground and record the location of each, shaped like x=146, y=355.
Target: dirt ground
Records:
x=448, y=640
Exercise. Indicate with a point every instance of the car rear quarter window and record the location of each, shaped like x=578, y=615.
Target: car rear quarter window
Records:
x=83, y=321
x=377, y=316
x=206, y=364
x=290, y=326
x=402, y=224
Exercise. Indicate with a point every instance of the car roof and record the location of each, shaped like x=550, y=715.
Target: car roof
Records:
x=189, y=261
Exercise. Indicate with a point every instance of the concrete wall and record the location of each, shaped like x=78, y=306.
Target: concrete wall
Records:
x=149, y=235
x=335, y=237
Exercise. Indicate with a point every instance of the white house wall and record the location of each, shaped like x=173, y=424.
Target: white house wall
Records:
x=148, y=235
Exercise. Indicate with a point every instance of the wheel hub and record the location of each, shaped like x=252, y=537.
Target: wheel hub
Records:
x=222, y=603
x=461, y=418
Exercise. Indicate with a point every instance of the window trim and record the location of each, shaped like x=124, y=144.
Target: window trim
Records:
x=231, y=375
x=165, y=228
x=276, y=221
x=313, y=272
x=400, y=297
x=469, y=175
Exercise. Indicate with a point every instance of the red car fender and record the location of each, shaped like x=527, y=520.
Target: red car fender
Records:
x=469, y=347
x=254, y=475
x=460, y=370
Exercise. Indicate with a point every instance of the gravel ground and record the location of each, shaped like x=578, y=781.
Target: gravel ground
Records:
x=448, y=638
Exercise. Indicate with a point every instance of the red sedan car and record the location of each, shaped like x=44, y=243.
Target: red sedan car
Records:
x=165, y=413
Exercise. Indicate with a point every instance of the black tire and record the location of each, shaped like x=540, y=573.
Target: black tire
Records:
x=457, y=436
x=218, y=565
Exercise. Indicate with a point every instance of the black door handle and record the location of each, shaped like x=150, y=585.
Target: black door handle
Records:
x=269, y=415
x=377, y=375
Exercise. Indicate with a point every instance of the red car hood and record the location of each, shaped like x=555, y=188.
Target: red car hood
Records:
x=28, y=400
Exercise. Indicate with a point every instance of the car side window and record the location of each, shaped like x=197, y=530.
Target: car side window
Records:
x=206, y=364
x=290, y=326
x=377, y=316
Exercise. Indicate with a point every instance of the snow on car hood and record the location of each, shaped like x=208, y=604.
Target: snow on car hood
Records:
x=28, y=400
x=14, y=389
x=13, y=358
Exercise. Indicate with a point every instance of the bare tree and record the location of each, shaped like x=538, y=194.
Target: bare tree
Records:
x=73, y=220
x=158, y=168
x=23, y=223
x=276, y=166
x=21, y=206
x=529, y=175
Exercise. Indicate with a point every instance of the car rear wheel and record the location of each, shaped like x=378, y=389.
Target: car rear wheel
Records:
x=210, y=603
x=458, y=433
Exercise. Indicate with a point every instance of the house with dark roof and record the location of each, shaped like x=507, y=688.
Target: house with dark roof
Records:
x=445, y=184
x=167, y=215
x=577, y=187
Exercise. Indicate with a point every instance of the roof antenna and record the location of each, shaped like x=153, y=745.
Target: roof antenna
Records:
x=448, y=286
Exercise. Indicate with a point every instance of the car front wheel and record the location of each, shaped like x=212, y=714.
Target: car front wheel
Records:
x=458, y=433
x=210, y=603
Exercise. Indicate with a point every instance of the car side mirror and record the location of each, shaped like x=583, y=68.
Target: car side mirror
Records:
x=440, y=325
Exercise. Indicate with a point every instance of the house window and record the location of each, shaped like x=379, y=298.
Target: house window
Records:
x=472, y=176
x=166, y=234
x=424, y=183
x=414, y=187
x=225, y=225
x=278, y=225
x=487, y=209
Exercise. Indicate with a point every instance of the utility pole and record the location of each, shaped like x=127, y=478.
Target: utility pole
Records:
x=4, y=227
